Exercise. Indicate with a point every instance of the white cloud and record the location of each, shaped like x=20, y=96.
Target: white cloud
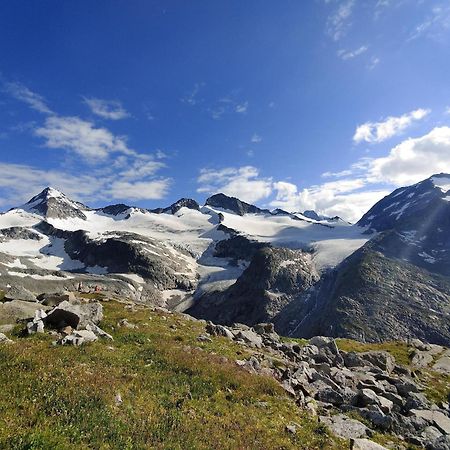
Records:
x=350, y=54
x=389, y=127
x=256, y=138
x=82, y=137
x=414, y=159
x=20, y=182
x=107, y=109
x=228, y=105
x=241, y=108
x=139, y=190
x=33, y=100
x=339, y=22
x=374, y=61
x=338, y=198
x=191, y=98
x=242, y=182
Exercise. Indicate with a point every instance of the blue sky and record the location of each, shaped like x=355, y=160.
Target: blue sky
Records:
x=318, y=104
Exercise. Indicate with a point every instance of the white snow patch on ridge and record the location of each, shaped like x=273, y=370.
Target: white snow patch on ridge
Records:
x=443, y=183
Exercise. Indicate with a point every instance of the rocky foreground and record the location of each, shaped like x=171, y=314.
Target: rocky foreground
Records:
x=357, y=395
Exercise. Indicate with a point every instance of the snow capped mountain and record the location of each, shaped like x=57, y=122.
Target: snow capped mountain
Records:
x=229, y=260
x=407, y=207
x=416, y=223
x=52, y=237
x=54, y=204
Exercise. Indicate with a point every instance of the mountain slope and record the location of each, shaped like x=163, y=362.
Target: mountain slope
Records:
x=373, y=298
x=397, y=286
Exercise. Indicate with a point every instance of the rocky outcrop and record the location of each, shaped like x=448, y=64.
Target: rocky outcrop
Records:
x=175, y=207
x=369, y=385
x=273, y=277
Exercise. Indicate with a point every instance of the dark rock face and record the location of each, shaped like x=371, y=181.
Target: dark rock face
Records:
x=18, y=233
x=175, y=207
x=53, y=204
x=372, y=297
x=310, y=214
x=266, y=286
x=114, y=210
x=238, y=247
x=125, y=253
x=234, y=204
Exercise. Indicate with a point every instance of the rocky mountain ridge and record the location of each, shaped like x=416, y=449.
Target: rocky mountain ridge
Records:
x=385, y=277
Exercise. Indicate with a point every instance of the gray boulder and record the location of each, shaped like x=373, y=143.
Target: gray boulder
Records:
x=365, y=444
x=443, y=363
x=56, y=299
x=16, y=310
x=344, y=427
x=67, y=313
x=18, y=292
x=249, y=337
x=218, y=330
x=435, y=418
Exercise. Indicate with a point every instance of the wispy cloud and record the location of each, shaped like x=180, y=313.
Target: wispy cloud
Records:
x=435, y=25
x=22, y=93
x=374, y=61
x=339, y=22
x=241, y=108
x=256, y=138
x=82, y=137
x=387, y=128
x=228, y=105
x=191, y=98
x=107, y=109
x=351, y=54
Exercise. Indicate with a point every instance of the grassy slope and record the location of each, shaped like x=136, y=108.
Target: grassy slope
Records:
x=175, y=396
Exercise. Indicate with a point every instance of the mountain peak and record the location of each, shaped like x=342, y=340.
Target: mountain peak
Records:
x=175, y=207
x=52, y=203
x=441, y=181
x=233, y=204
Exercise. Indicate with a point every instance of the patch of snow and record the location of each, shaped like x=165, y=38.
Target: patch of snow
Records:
x=399, y=212
x=329, y=253
x=16, y=263
x=443, y=183
x=132, y=276
x=38, y=277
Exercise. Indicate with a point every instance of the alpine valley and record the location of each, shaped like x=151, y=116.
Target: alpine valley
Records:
x=385, y=278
